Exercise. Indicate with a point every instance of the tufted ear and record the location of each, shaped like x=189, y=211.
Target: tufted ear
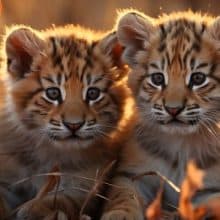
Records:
x=134, y=32
x=111, y=47
x=22, y=45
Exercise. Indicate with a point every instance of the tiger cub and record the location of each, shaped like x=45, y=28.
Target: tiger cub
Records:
x=175, y=80
x=64, y=106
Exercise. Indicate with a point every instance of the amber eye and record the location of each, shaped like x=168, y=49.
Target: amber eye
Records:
x=53, y=94
x=158, y=79
x=92, y=94
x=197, y=79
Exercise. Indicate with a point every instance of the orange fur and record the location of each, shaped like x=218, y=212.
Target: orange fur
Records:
x=175, y=79
x=74, y=132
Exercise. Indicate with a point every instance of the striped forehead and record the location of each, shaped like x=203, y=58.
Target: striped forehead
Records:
x=72, y=62
x=70, y=56
x=179, y=40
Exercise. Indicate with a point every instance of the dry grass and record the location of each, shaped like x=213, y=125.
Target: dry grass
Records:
x=51, y=186
x=192, y=183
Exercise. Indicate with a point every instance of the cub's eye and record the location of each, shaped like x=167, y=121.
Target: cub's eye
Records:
x=53, y=93
x=158, y=79
x=197, y=79
x=92, y=94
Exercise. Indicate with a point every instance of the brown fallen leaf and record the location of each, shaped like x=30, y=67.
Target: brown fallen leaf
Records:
x=51, y=183
x=190, y=185
x=154, y=210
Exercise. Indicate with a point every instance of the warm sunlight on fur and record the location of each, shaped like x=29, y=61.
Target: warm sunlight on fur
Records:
x=174, y=78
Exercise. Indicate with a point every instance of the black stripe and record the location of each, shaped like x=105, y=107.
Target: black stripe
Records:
x=89, y=61
x=105, y=105
x=32, y=94
x=162, y=63
x=163, y=32
x=202, y=65
x=41, y=113
x=40, y=105
x=83, y=72
x=215, y=78
x=206, y=87
x=36, y=111
x=94, y=43
x=59, y=78
x=56, y=129
x=47, y=78
x=98, y=79
x=54, y=52
x=54, y=122
x=203, y=28
x=88, y=78
x=162, y=47
x=158, y=107
x=154, y=65
x=196, y=47
x=57, y=61
x=195, y=106
x=192, y=63
x=146, y=89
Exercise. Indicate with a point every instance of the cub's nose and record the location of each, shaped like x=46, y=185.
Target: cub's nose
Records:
x=73, y=127
x=174, y=111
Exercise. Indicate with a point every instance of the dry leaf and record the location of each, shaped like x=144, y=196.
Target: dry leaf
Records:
x=51, y=183
x=192, y=183
x=153, y=212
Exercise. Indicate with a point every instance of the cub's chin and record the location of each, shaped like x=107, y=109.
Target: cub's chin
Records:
x=71, y=142
x=179, y=127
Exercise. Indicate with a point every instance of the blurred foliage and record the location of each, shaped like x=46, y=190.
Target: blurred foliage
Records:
x=97, y=14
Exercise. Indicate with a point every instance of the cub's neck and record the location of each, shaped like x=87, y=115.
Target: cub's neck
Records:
x=202, y=146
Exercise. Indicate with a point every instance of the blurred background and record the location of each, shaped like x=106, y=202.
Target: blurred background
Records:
x=96, y=14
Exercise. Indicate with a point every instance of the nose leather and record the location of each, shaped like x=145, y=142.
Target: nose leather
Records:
x=174, y=111
x=73, y=126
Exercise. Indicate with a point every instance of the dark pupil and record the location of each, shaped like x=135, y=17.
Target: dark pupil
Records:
x=198, y=78
x=53, y=93
x=93, y=93
x=158, y=79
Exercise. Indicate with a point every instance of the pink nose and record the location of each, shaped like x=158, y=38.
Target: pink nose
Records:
x=73, y=126
x=174, y=111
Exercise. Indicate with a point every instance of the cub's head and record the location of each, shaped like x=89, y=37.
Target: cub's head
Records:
x=175, y=65
x=65, y=88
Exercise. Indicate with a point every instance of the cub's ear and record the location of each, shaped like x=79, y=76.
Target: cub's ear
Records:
x=111, y=47
x=134, y=32
x=21, y=46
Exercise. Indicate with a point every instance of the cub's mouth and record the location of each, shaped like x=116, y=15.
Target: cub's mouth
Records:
x=72, y=137
x=178, y=122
